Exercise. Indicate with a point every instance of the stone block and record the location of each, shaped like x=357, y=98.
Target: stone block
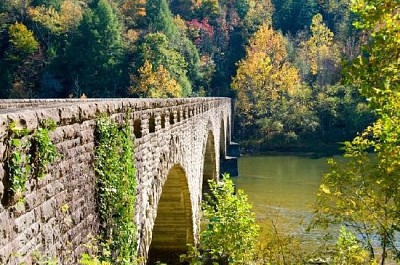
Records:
x=1, y=182
x=102, y=107
x=48, y=235
x=27, y=120
x=87, y=111
x=3, y=127
x=23, y=222
x=45, y=115
x=48, y=210
x=69, y=132
x=5, y=253
x=57, y=135
x=69, y=115
x=2, y=153
x=20, y=242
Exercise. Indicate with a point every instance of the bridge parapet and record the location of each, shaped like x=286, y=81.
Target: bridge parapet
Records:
x=169, y=133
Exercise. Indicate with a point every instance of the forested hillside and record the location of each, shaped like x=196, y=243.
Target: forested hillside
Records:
x=280, y=59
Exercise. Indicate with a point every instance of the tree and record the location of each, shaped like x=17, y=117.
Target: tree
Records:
x=160, y=19
x=208, y=9
x=57, y=22
x=47, y=3
x=22, y=40
x=321, y=53
x=259, y=13
x=156, y=51
x=155, y=83
x=264, y=77
x=376, y=71
x=231, y=232
x=94, y=58
x=363, y=191
x=133, y=12
x=287, y=11
x=21, y=63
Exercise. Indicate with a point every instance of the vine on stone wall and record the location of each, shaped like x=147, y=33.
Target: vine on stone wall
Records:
x=44, y=152
x=28, y=156
x=115, y=170
x=18, y=163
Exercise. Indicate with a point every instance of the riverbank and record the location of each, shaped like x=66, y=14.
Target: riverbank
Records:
x=313, y=150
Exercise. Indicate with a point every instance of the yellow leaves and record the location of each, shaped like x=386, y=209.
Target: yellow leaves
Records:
x=22, y=39
x=325, y=189
x=269, y=42
x=320, y=32
x=320, y=46
x=70, y=14
x=57, y=22
x=264, y=75
x=48, y=17
x=155, y=83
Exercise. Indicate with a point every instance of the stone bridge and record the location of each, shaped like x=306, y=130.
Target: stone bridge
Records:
x=179, y=145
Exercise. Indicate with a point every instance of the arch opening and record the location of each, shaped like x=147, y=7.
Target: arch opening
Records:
x=152, y=124
x=209, y=164
x=162, y=121
x=173, y=227
x=229, y=135
x=137, y=128
x=222, y=140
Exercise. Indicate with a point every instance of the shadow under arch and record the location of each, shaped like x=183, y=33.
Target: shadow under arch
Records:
x=173, y=227
x=222, y=140
x=209, y=163
x=228, y=132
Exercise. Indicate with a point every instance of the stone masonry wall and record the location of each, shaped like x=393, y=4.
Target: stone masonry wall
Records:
x=57, y=215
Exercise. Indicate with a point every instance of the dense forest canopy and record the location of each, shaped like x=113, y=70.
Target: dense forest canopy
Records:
x=280, y=60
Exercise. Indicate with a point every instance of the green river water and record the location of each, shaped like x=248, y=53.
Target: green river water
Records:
x=282, y=189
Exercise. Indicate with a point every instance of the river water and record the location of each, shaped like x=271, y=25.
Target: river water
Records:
x=282, y=189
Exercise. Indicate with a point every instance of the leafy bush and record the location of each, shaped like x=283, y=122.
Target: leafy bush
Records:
x=231, y=232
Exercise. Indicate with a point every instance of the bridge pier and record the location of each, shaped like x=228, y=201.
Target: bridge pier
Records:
x=229, y=164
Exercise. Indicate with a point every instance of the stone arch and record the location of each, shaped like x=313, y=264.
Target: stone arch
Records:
x=173, y=227
x=209, y=163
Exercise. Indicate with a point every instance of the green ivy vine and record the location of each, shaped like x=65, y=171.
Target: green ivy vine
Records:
x=44, y=152
x=29, y=155
x=116, y=176
x=18, y=163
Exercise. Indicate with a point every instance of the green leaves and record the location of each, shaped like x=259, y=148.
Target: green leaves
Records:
x=22, y=39
x=364, y=189
x=44, y=153
x=114, y=167
x=231, y=232
x=349, y=251
x=376, y=70
x=29, y=155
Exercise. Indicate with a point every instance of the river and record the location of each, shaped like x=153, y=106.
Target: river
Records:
x=282, y=189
